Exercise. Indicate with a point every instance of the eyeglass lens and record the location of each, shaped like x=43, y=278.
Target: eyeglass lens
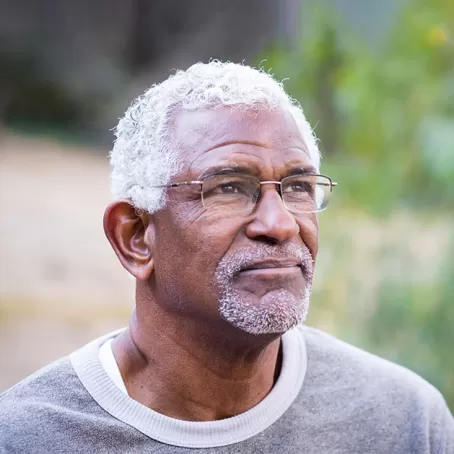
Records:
x=239, y=192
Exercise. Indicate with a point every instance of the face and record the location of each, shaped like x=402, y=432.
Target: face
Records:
x=252, y=270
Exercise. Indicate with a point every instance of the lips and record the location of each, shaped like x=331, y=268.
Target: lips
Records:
x=274, y=273
x=273, y=264
x=273, y=267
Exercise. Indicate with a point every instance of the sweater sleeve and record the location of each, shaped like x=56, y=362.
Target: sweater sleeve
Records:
x=442, y=430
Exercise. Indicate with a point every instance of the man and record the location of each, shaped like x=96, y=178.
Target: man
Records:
x=217, y=188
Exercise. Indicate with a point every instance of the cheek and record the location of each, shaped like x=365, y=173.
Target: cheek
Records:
x=187, y=255
x=195, y=241
x=309, y=233
x=211, y=238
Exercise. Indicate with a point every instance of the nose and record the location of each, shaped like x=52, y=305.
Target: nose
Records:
x=272, y=221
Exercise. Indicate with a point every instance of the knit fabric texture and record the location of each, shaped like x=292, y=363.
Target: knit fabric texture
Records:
x=344, y=400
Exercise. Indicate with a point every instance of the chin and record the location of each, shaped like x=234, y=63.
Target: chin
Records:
x=275, y=313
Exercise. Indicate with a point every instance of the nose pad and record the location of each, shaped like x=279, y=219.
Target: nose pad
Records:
x=256, y=196
x=279, y=191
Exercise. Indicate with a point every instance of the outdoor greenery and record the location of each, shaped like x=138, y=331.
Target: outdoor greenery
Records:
x=384, y=114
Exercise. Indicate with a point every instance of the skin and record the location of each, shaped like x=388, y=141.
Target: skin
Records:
x=178, y=356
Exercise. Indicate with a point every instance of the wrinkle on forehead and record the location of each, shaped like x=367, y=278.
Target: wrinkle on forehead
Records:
x=262, y=163
x=204, y=131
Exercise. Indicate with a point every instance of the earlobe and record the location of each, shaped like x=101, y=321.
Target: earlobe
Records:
x=128, y=232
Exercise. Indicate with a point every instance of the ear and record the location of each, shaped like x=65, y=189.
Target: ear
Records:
x=131, y=235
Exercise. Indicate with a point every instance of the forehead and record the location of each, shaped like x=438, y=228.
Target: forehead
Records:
x=265, y=138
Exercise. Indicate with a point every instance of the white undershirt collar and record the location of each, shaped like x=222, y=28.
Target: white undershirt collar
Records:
x=110, y=365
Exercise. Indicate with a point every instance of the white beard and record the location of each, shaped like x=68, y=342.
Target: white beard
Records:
x=278, y=310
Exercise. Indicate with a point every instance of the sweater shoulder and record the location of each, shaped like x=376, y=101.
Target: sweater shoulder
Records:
x=352, y=387
x=54, y=388
x=42, y=383
x=338, y=361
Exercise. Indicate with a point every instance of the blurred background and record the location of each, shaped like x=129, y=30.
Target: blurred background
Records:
x=375, y=78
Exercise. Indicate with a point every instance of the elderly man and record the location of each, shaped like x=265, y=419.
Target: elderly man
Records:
x=217, y=188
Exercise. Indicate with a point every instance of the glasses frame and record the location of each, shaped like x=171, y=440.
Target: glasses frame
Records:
x=331, y=184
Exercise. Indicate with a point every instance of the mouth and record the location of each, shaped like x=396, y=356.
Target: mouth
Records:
x=273, y=267
x=273, y=272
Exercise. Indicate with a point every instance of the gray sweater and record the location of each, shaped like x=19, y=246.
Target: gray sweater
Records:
x=343, y=400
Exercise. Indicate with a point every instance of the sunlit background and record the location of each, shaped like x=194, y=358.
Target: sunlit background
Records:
x=376, y=79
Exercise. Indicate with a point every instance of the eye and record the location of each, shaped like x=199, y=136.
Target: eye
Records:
x=231, y=187
x=299, y=186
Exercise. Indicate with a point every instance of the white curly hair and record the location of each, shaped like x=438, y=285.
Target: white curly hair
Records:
x=144, y=157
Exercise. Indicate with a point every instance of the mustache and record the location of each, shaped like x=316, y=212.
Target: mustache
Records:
x=229, y=266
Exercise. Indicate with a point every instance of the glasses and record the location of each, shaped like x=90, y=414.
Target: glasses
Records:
x=237, y=192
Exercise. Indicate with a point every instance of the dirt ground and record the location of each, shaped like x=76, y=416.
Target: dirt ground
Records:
x=60, y=283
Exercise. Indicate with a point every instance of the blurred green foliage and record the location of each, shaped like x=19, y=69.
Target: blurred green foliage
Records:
x=384, y=115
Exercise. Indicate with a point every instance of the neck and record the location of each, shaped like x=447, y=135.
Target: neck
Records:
x=193, y=371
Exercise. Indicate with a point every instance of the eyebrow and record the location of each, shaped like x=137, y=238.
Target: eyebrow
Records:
x=227, y=168
x=235, y=168
x=302, y=170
